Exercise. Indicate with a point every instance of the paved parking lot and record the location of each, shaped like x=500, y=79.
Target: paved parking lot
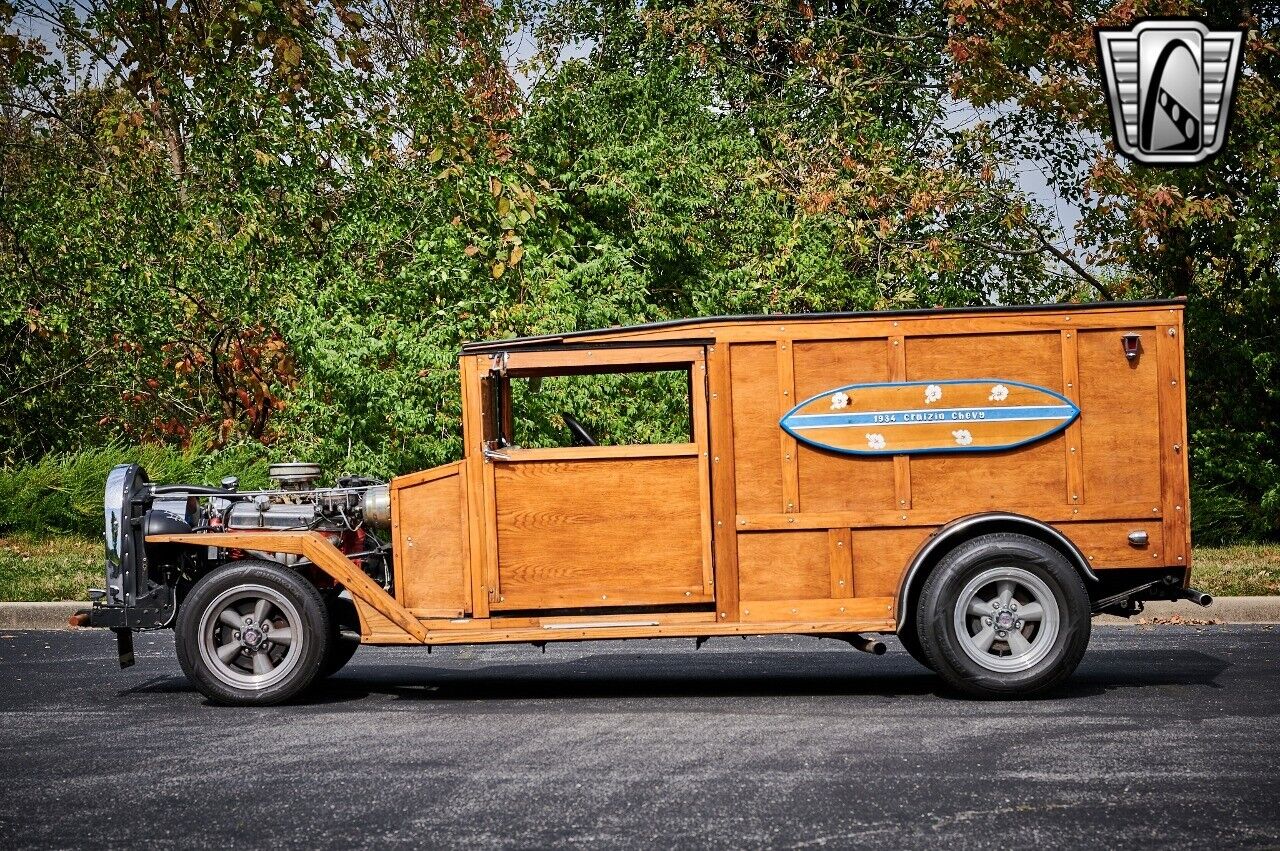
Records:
x=1166, y=737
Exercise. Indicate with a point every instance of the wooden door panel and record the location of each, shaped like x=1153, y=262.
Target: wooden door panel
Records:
x=599, y=533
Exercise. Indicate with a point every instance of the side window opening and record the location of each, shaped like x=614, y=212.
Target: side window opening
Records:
x=610, y=409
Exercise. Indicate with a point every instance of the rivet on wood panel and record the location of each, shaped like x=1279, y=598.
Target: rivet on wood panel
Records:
x=717, y=458
x=1075, y=511
x=1179, y=558
x=1068, y=335
x=1156, y=510
x=788, y=456
x=719, y=522
x=840, y=544
x=715, y=395
x=902, y=502
x=1172, y=333
x=795, y=611
x=895, y=342
x=1073, y=449
x=688, y=593
x=1070, y=385
x=786, y=392
x=791, y=520
x=895, y=323
x=1177, y=508
x=744, y=611
x=842, y=607
x=1075, y=496
x=722, y=614
x=842, y=585
x=904, y=517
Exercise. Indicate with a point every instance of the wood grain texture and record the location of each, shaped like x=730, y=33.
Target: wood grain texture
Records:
x=430, y=533
x=840, y=558
x=473, y=463
x=787, y=400
x=757, y=470
x=599, y=533
x=724, y=498
x=783, y=566
x=1075, y=493
x=1106, y=545
x=858, y=608
x=880, y=558
x=1173, y=442
x=1120, y=419
x=574, y=362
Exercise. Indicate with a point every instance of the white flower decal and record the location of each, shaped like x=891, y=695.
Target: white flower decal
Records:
x=875, y=441
x=840, y=400
x=998, y=393
x=962, y=436
x=932, y=393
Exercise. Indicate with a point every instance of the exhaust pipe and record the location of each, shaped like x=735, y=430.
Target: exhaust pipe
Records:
x=874, y=646
x=1198, y=597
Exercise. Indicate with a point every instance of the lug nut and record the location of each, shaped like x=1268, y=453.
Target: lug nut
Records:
x=1001, y=633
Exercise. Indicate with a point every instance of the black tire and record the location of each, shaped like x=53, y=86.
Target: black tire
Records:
x=910, y=639
x=1050, y=649
x=344, y=636
x=236, y=590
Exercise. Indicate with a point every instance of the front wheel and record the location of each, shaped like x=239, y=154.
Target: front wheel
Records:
x=1004, y=615
x=252, y=633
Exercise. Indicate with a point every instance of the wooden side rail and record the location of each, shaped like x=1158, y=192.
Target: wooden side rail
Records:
x=324, y=555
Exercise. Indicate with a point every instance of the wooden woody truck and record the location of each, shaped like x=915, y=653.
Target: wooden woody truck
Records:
x=979, y=481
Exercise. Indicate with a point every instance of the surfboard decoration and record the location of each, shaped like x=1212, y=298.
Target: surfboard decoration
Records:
x=917, y=417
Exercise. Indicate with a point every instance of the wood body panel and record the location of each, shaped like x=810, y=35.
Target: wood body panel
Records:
x=758, y=472
x=598, y=533
x=429, y=528
x=784, y=566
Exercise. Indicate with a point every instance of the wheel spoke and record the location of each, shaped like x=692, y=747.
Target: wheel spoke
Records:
x=978, y=608
x=231, y=618
x=260, y=610
x=1005, y=590
x=985, y=638
x=229, y=651
x=1018, y=643
x=262, y=663
x=283, y=635
x=1031, y=612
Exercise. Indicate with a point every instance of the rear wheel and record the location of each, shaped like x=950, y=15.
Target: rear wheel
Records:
x=1004, y=615
x=252, y=633
x=910, y=639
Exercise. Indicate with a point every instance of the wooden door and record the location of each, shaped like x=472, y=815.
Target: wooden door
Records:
x=615, y=526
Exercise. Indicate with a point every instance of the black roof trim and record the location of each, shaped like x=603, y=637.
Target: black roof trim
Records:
x=546, y=341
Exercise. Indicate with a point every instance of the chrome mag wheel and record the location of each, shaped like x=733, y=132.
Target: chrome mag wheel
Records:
x=1006, y=619
x=251, y=637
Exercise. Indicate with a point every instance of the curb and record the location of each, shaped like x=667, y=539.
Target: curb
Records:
x=1223, y=610
x=38, y=615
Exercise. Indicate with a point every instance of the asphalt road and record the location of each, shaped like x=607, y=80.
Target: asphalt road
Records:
x=1166, y=737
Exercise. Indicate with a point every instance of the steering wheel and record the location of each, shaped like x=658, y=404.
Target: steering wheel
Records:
x=577, y=431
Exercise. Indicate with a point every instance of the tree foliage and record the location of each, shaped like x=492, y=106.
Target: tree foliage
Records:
x=275, y=221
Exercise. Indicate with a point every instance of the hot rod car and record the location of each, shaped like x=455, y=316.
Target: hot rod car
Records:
x=979, y=481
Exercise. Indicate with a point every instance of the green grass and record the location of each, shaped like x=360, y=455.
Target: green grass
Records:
x=1243, y=570
x=58, y=567
x=64, y=567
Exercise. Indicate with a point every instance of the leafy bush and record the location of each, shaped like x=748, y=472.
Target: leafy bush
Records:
x=63, y=492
